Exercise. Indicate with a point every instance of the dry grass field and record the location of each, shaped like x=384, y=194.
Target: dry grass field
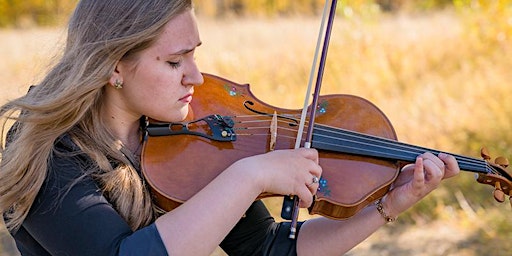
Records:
x=442, y=79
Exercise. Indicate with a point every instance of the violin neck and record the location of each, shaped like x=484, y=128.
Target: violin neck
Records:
x=350, y=142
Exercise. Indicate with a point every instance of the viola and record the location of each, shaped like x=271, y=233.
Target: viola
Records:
x=358, y=148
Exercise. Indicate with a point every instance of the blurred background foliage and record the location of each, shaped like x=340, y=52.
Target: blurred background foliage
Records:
x=16, y=13
x=401, y=73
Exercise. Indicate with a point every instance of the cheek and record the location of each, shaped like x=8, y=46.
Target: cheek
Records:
x=158, y=86
x=162, y=103
x=168, y=113
x=155, y=92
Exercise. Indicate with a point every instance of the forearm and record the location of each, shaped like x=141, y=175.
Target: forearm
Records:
x=330, y=237
x=322, y=236
x=200, y=224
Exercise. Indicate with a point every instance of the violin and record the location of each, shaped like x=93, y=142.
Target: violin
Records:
x=358, y=148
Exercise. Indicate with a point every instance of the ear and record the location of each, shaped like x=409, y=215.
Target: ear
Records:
x=116, y=76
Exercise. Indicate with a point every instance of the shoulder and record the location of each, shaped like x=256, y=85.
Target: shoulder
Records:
x=67, y=160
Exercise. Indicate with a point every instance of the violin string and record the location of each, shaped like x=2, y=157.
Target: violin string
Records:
x=336, y=137
x=358, y=137
x=391, y=144
x=365, y=140
x=384, y=143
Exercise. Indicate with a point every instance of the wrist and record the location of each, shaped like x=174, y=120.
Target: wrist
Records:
x=253, y=180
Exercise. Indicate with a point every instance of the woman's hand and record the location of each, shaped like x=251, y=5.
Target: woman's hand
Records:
x=285, y=172
x=417, y=180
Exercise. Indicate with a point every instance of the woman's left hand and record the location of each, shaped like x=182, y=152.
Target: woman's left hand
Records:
x=417, y=180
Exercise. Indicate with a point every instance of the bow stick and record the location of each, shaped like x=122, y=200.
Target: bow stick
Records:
x=309, y=134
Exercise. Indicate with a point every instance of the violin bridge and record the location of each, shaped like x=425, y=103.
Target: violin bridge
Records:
x=273, y=132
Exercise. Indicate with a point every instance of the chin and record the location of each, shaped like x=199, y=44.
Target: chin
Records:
x=177, y=115
x=184, y=113
x=171, y=117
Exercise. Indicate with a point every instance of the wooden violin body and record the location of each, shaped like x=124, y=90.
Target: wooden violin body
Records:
x=227, y=123
x=178, y=166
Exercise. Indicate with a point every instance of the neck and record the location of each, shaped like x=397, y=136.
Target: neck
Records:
x=124, y=128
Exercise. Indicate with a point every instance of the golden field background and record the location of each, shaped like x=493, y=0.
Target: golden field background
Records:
x=442, y=78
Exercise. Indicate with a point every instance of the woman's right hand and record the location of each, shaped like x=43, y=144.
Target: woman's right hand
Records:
x=285, y=172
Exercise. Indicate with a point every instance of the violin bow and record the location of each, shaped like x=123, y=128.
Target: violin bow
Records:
x=307, y=144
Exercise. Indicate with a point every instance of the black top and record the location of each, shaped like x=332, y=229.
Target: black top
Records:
x=79, y=220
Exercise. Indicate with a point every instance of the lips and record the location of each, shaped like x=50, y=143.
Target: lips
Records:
x=187, y=98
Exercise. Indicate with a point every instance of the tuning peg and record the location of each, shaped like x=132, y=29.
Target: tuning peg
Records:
x=499, y=196
x=498, y=193
x=501, y=161
x=484, y=152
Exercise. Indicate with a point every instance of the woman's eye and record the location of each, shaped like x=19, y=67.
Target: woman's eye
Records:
x=174, y=64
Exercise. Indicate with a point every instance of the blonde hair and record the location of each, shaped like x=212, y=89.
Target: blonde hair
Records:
x=69, y=100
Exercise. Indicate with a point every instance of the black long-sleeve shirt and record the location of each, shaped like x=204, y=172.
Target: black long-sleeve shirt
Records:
x=82, y=221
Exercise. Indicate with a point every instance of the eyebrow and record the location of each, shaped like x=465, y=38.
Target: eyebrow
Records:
x=185, y=51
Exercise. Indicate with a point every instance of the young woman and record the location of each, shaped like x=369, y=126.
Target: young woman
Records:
x=70, y=175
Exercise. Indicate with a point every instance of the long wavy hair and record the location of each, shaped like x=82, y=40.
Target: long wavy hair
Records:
x=69, y=101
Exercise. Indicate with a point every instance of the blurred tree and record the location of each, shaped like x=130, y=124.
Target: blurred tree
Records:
x=389, y=5
x=15, y=13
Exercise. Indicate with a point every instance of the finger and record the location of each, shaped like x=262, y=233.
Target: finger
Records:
x=431, y=157
x=312, y=164
x=306, y=204
x=316, y=171
x=432, y=171
x=309, y=153
x=313, y=189
x=313, y=184
x=452, y=167
x=305, y=197
x=419, y=174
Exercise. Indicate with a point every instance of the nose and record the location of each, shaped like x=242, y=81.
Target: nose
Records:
x=192, y=76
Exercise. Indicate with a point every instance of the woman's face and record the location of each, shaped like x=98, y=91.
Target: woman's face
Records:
x=159, y=81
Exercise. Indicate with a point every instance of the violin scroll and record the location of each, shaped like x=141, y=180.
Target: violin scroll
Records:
x=497, y=176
